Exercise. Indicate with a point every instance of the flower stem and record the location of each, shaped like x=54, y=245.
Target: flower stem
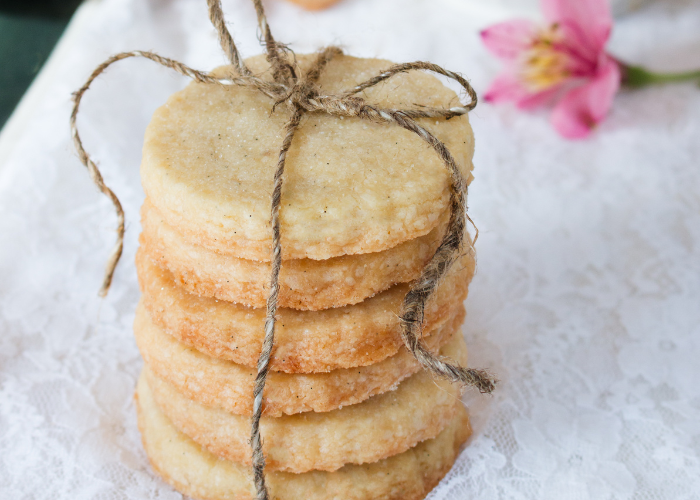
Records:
x=636, y=76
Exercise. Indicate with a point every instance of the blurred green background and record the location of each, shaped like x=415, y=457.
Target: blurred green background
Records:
x=29, y=29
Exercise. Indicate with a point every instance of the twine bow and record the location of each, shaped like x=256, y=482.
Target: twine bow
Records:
x=301, y=94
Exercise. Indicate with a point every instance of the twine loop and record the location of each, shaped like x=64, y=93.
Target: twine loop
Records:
x=301, y=94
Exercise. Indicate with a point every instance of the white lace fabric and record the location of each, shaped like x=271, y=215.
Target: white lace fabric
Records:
x=586, y=302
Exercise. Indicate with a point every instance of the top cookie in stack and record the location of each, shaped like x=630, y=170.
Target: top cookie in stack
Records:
x=364, y=206
x=352, y=188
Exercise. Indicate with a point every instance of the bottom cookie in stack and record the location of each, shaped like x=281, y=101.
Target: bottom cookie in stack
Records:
x=396, y=444
x=193, y=470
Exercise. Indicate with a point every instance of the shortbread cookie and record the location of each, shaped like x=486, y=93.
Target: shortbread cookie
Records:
x=227, y=385
x=318, y=341
x=382, y=426
x=350, y=185
x=304, y=283
x=197, y=473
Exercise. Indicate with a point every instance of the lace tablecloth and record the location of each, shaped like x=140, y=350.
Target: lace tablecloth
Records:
x=586, y=302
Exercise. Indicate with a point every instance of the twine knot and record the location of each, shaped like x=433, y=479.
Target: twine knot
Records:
x=302, y=94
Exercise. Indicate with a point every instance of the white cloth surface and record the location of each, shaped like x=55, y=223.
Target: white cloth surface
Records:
x=586, y=303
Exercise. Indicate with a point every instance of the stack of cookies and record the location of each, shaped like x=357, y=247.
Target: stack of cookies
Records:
x=348, y=413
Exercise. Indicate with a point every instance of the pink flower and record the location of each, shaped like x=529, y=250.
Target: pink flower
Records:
x=565, y=59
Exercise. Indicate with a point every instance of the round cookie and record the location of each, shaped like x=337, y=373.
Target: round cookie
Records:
x=350, y=186
x=227, y=385
x=380, y=427
x=197, y=473
x=304, y=283
x=305, y=342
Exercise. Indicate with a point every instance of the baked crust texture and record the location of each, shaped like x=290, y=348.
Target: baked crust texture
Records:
x=382, y=426
x=195, y=472
x=304, y=283
x=227, y=385
x=305, y=341
x=351, y=186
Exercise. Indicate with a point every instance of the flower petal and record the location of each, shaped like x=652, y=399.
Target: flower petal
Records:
x=505, y=87
x=589, y=19
x=582, y=57
x=540, y=98
x=584, y=107
x=508, y=87
x=508, y=39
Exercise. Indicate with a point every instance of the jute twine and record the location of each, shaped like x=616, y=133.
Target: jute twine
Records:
x=300, y=93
